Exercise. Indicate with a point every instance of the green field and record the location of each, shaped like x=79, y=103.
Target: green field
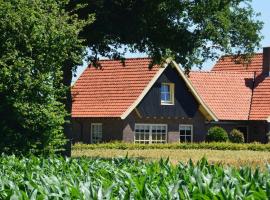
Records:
x=124, y=178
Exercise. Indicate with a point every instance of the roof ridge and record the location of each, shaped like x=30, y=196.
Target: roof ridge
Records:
x=222, y=72
x=131, y=58
x=231, y=55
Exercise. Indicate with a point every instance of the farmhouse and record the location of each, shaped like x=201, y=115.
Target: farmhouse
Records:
x=131, y=102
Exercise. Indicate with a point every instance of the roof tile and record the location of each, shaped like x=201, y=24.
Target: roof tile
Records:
x=109, y=90
x=228, y=94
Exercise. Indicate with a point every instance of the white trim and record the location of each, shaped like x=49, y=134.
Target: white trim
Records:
x=194, y=92
x=150, y=132
x=171, y=90
x=189, y=125
x=146, y=89
x=93, y=124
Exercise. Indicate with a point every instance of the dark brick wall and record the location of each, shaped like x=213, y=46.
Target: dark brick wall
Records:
x=112, y=129
x=117, y=129
x=198, y=122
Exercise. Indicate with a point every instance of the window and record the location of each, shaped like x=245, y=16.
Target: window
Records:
x=150, y=133
x=167, y=94
x=96, y=132
x=185, y=133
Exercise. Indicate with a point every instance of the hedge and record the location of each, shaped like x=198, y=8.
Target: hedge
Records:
x=203, y=145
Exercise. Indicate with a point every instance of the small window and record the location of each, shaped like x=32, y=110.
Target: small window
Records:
x=185, y=133
x=167, y=94
x=96, y=132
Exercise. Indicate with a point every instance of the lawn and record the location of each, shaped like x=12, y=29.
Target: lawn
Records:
x=228, y=157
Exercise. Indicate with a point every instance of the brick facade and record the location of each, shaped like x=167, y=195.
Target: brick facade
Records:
x=123, y=130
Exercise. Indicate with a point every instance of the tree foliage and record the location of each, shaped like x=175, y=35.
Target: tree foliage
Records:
x=36, y=39
x=190, y=31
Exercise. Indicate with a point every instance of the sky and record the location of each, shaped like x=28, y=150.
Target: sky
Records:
x=259, y=6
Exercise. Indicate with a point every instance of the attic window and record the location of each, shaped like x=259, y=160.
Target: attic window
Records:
x=167, y=94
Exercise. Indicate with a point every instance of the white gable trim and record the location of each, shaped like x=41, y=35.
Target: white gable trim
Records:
x=204, y=108
x=146, y=89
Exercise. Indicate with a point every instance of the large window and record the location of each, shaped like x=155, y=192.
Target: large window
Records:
x=185, y=133
x=150, y=133
x=167, y=93
x=96, y=132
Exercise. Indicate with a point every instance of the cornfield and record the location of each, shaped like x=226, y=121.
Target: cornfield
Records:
x=124, y=178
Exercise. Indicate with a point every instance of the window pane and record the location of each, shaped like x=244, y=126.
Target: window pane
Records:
x=96, y=132
x=182, y=138
x=182, y=132
x=165, y=88
x=167, y=97
x=188, y=133
x=163, y=97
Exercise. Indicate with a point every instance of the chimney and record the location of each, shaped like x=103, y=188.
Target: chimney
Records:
x=266, y=61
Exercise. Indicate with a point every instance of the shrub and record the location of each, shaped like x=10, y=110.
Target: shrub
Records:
x=216, y=134
x=236, y=136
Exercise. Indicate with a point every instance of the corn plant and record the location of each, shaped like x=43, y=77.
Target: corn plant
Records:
x=124, y=178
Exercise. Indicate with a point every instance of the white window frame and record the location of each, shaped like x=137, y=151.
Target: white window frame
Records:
x=186, y=125
x=92, y=129
x=140, y=141
x=171, y=88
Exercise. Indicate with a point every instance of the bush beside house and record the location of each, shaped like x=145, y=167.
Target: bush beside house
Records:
x=216, y=134
x=236, y=136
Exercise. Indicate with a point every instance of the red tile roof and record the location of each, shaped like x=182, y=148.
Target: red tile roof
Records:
x=227, y=90
x=229, y=63
x=260, y=106
x=110, y=90
x=228, y=94
x=260, y=103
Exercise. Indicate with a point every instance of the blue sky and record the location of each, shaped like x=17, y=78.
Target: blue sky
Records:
x=260, y=6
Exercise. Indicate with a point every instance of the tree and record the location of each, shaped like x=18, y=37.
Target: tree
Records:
x=190, y=31
x=37, y=38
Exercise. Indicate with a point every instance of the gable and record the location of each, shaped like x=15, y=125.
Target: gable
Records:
x=185, y=105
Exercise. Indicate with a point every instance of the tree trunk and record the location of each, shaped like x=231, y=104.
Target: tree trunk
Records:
x=67, y=78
